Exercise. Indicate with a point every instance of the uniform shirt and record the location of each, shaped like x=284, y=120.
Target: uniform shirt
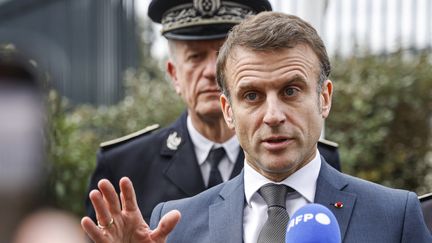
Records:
x=202, y=148
x=255, y=211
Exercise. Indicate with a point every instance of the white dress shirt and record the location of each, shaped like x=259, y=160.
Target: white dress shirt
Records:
x=202, y=148
x=255, y=211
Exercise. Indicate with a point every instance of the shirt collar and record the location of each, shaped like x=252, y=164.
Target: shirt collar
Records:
x=203, y=145
x=303, y=181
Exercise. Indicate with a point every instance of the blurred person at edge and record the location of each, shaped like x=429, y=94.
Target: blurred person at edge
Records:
x=21, y=138
x=174, y=162
x=23, y=167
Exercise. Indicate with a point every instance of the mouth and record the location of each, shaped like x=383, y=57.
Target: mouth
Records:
x=210, y=93
x=276, y=142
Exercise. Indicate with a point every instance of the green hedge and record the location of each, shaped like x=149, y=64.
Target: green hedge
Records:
x=381, y=117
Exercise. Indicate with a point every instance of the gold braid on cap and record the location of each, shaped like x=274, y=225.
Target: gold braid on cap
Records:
x=204, y=12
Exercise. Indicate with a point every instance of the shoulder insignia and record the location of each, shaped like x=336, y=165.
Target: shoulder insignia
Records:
x=425, y=197
x=130, y=136
x=328, y=142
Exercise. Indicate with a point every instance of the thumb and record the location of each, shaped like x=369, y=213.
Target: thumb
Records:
x=166, y=225
x=141, y=234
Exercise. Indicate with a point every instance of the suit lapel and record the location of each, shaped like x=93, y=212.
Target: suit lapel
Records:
x=238, y=166
x=330, y=185
x=226, y=214
x=183, y=169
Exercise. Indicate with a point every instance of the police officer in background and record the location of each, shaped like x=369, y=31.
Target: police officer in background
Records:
x=198, y=150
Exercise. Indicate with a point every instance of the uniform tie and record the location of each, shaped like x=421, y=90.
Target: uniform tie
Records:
x=274, y=228
x=214, y=158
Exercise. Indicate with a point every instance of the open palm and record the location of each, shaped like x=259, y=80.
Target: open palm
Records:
x=120, y=221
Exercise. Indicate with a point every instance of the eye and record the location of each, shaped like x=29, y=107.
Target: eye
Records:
x=194, y=57
x=289, y=91
x=251, y=96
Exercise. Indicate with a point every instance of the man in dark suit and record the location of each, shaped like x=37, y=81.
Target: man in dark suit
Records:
x=273, y=71
x=174, y=162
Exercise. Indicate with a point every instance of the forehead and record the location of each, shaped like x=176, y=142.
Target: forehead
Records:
x=244, y=63
x=191, y=45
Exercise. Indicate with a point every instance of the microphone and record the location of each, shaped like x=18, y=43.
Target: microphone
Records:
x=313, y=223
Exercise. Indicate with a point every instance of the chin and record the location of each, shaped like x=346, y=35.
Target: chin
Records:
x=281, y=165
x=276, y=166
x=214, y=113
x=212, y=108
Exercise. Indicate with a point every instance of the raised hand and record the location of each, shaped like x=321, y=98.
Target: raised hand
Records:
x=121, y=221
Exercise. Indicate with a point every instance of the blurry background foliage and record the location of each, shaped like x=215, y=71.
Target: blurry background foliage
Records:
x=381, y=118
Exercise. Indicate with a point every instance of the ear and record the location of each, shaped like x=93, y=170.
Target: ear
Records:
x=326, y=98
x=227, y=111
x=172, y=72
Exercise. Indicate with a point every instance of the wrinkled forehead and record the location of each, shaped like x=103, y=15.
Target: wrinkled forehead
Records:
x=241, y=54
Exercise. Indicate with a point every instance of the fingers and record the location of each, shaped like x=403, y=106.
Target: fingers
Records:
x=166, y=225
x=114, y=223
x=110, y=196
x=103, y=214
x=95, y=234
x=128, y=197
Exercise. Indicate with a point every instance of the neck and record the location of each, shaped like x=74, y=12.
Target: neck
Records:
x=213, y=128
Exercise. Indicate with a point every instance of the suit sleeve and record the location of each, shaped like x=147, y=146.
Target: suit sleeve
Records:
x=414, y=227
x=156, y=215
x=102, y=171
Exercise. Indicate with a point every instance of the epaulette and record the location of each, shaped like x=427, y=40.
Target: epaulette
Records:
x=328, y=142
x=129, y=136
x=425, y=197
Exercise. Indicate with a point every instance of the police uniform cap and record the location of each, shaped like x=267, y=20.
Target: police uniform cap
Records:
x=202, y=19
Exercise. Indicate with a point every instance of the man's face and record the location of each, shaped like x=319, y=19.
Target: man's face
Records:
x=193, y=72
x=275, y=108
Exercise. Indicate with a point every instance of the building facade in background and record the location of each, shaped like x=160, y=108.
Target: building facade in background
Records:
x=86, y=45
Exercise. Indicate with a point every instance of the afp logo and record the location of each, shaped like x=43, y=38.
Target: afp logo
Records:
x=313, y=223
x=320, y=218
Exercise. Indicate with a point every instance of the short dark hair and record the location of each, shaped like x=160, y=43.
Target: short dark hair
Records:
x=272, y=31
x=17, y=69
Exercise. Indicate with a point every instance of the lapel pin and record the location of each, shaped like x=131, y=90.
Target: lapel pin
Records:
x=173, y=141
x=338, y=205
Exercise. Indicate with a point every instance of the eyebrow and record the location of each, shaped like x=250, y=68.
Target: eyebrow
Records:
x=245, y=87
x=297, y=78
x=249, y=84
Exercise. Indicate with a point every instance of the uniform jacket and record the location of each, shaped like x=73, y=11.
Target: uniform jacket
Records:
x=371, y=213
x=162, y=166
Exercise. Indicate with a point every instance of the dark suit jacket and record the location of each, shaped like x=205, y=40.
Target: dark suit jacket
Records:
x=426, y=204
x=159, y=173
x=371, y=213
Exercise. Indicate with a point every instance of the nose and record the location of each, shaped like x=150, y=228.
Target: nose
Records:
x=274, y=114
x=210, y=67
